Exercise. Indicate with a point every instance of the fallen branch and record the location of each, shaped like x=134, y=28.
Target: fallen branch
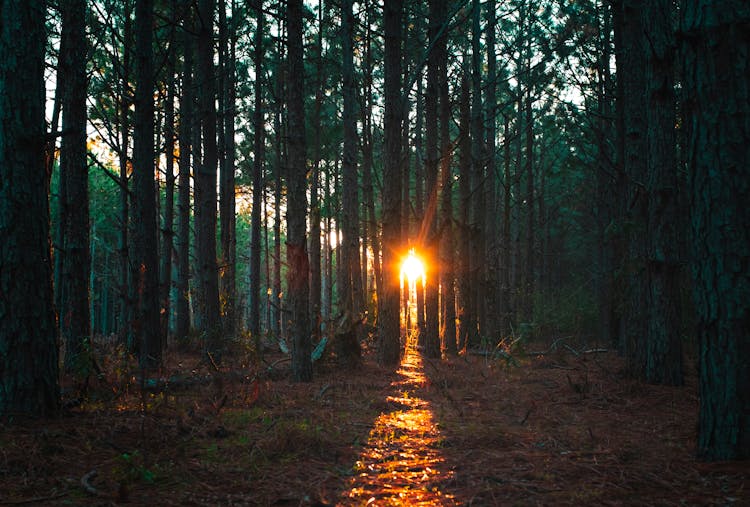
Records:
x=551, y=348
x=322, y=391
x=574, y=351
x=594, y=351
x=213, y=362
x=560, y=367
x=528, y=413
x=86, y=484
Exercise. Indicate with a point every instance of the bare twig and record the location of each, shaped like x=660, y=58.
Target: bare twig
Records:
x=86, y=484
x=322, y=391
x=594, y=351
x=574, y=351
x=213, y=363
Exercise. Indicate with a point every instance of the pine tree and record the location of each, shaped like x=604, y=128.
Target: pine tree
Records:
x=28, y=334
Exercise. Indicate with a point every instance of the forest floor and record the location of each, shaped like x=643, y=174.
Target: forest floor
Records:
x=562, y=428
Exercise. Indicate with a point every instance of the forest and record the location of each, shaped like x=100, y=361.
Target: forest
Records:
x=410, y=252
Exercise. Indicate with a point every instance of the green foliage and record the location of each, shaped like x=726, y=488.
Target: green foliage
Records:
x=132, y=468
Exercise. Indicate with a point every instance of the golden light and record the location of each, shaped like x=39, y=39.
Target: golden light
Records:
x=412, y=267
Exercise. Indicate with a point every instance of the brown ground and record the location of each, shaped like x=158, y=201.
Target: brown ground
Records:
x=557, y=429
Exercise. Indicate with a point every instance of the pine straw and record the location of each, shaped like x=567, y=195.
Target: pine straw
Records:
x=560, y=430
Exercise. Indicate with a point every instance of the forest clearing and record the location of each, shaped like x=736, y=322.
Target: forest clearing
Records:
x=564, y=428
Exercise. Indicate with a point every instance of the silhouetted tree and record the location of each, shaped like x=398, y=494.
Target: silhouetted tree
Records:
x=28, y=334
x=718, y=114
x=145, y=246
x=299, y=266
x=74, y=311
x=185, y=135
x=389, y=350
x=259, y=153
x=205, y=178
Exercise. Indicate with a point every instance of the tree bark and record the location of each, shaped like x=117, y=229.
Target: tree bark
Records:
x=476, y=216
x=280, y=164
x=145, y=245
x=428, y=234
x=507, y=250
x=447, y=246
x=167, y=230
x=634, y=201
x=315, y=257
x=182, y=324
x=28, y=334
x=350, y=220
x=258, y=156
x=389, y=349
x=492, y=254
x=367, y=162
x=74, y=312
x=466, y=294
x=205, y=180
x=716, y=69
x=530, y=254
x=125, y=279
x=419, y=170
x=227, y=205
x=299, y=265
x=664, y=346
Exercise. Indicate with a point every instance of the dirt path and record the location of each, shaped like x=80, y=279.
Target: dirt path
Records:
x=402, y=462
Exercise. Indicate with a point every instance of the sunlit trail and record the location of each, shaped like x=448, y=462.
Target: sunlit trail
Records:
x=402, y=464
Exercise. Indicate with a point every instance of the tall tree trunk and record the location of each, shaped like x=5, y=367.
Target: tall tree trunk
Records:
x=428, y=233
x=490, y=218
x=447, y=285
x=477, y=188
x=227, y=217
x=389, y=350
x=350, y=282
x=279, y=169
x=197, y=291
x=328, y=292
x=165, y=269
x=419, y=170
x=664, y=347
x=528, y=308
x=605, y=182
x=507, y=250
x=205, y=181
x=125, y=282
x=144, y=209
x=620, y=197
x=258, y=156
x=466, y=294
x=58, y=243
x=299, y=265
x=634, y=107
x=716, y=70
x=28, y=334
x=405, y=161
x=315, y=278
x=182, y=321
x=367, y=162
x=75, y=317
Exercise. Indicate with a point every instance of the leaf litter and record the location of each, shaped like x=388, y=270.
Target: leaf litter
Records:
x=470, y=430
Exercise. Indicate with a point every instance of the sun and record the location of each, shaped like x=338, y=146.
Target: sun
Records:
x=412, y=267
